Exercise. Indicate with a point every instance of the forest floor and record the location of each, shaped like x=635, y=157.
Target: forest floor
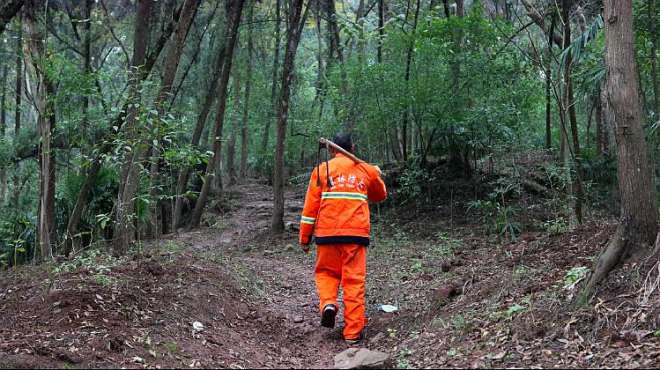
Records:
x=230, y=296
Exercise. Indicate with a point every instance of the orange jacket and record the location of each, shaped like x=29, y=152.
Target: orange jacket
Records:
x=337, y=212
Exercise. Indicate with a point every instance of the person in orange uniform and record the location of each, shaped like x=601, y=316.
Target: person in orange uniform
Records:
x=336, y=216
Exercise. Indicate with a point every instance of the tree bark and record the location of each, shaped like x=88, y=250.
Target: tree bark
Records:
x=17, y=105
x=107, y=137
x=274, y=82
x=199, y=132
x=3, y=130
x=638, y=220
x=293, y=38
x=124, y=232
x=231, y=147
x=381, y=30
x=246, y=103
x=72, y=241
x=336, y=59
x=232, y=34
x=548, y=84
x=171, y=62
x=572, y=116
x=602, y=132
x=43, y=90
x=87, y=55
x=653, y=12
x=409, y=59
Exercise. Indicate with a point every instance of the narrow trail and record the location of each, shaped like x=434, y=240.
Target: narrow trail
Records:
x=280, y=276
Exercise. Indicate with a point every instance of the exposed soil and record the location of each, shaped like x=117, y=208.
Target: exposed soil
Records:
x=465, y=299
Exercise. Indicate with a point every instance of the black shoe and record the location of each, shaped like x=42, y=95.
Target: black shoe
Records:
x=328, y=316
x=355, y=341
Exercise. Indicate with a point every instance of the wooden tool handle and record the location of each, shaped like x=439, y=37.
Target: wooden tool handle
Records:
x=328, y=143
x=345, y=152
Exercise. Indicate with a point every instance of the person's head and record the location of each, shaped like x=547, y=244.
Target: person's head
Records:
x=345, y=141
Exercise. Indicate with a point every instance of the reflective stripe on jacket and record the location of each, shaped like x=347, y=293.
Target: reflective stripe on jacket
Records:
x=338, y=212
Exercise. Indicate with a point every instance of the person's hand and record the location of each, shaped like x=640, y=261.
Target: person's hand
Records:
x=305, y=248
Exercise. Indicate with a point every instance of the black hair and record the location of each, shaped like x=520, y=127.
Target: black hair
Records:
x=344, y=140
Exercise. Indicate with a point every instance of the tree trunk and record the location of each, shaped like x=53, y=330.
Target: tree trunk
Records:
x=445, y=5
x=3, y=130
x=199, y=132
x=572, y=117
x=381, y=30
x=638, y=221
x=171, y=63
x=71, y=242
x=409, y=58
x=124, y=231
x=17, y=106
x=43, y=90
x=320, y=70
x=293, y=37
x=232, y=34
x=231, y=147
x=246, y=103
x=336, y=59
x=548, y=84
x=653, y=31
x=87, y=55
x=276, y=66
x=602, y=128
x=118, y=122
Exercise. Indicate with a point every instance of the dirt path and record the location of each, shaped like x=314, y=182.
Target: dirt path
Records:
x=230, y=296
x=278, y=276
x=253, y=296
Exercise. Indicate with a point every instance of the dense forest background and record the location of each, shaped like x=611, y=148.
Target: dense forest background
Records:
x=120, y=119
x=154, y=156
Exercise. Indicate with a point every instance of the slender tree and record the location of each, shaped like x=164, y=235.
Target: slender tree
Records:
x=198, y=132
x=18, y=103
x=246, y=100
x=653, y=31
x=172, y=61
x=116, y=123
x=274, y=75
x=231, y=146
x=234, y=18
x=44, y=89
x=124, y=232
x=381, y=30
x=3, y=129
x=548, y=87
x=409, y=60
x=293, y=37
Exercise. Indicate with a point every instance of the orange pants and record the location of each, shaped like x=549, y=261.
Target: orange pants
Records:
x=345, y=264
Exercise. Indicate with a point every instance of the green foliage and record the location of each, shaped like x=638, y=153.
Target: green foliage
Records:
x=444, y=245
x=574, y=276
x=17, y=240
x=412, y=183
x=577, y=47
x=513, y=310
x=94, y=260
x=556, y=226
x=499, y=218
